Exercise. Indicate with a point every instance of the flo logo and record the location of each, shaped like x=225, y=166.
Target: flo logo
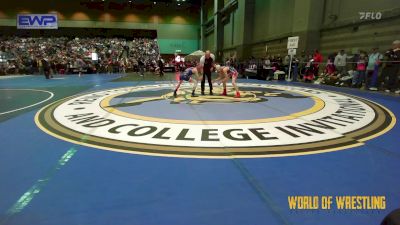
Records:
x=370, y=15
x=270, y=120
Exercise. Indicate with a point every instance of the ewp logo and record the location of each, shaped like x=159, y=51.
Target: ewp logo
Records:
x=37, y=21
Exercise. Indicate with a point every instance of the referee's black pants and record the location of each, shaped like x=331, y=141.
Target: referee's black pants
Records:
x=208, y=74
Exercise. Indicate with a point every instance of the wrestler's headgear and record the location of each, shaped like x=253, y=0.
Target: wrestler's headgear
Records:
x=217, y=67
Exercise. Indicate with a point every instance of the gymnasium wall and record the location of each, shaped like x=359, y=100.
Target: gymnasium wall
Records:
x=209, y=43
x=272, y=19
x=349, y=10
x=233, y=28
x=329, y=25
x=176, y=29
x=209, y=5
x=361, y=37
x=293, y=17
x=343, y=29
x=271, y=22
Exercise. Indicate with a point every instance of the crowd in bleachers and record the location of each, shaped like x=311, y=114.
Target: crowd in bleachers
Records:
x=20, y=55
x=373, y=70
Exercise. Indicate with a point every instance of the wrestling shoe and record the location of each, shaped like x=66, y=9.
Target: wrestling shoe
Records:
x=211, y=93
x=373, y=89
x=224, y=93
x=237, y=95
x=193, y=94
x=202, y=93
x=175, y=94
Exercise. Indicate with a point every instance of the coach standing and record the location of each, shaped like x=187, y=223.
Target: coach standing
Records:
x=207, y=62
x=392, y=69
x=160, y=63
x=46, y=67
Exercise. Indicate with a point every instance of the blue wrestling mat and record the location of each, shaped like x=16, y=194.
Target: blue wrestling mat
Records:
x=91, y=150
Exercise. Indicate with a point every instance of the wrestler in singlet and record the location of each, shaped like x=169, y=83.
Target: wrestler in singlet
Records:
x=187, y=74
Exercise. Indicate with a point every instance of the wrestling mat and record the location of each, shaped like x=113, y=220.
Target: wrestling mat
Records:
x=106, y=149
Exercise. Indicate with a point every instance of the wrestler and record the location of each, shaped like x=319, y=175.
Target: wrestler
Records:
x=224, y=74
x=187, y=75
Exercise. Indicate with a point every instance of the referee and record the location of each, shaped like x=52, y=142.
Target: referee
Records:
x=208, y=62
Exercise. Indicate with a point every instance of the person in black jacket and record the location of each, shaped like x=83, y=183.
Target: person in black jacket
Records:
x=392, y=69
x=141, y=67
x=46, y=68
x=160, y=63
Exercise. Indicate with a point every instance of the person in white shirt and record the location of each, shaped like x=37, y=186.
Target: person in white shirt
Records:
x=374, y=61
x=340, y=63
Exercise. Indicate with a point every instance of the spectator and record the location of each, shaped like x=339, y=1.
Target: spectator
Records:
x=302, y=62
x=267, y=69
x=141, y=67
x=317, y=60
x=340, y=63
x=46, y=67
x=285, y=63
x=374, y=61
x=360, y=68
x=40, y=65
x=392, y=70
x=329, y=76
x=25, y=54
x=309, y=71
x=161, y=66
